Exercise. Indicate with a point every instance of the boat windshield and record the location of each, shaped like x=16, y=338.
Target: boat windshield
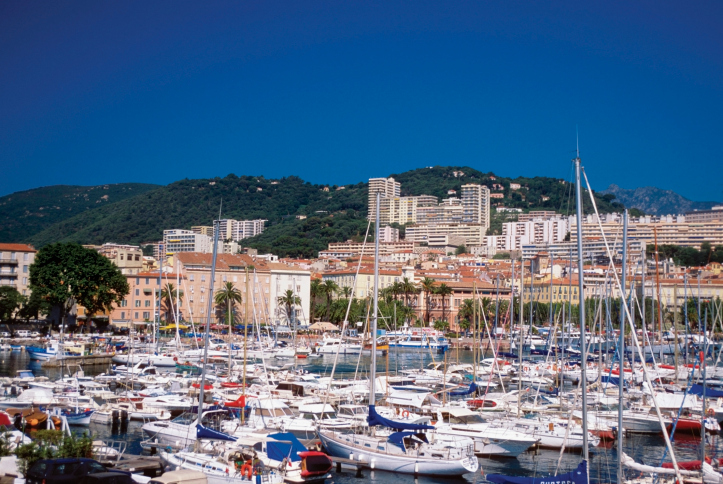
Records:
x=466, y=419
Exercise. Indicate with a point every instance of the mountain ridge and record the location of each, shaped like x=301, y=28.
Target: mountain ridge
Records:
x=656, y=201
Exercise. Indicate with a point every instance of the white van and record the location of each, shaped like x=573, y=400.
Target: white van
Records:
x=22, y=333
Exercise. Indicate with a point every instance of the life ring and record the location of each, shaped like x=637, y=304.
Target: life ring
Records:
x=526, y=368
x=405, y=413
x=711, y=412
x=554, y=367
x=175, y=358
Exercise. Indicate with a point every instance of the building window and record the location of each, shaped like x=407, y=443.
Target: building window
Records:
x=123, y=314
x=202, y=300
x=13, y=256
x=136, y=316
x=203, y=277
x=190, y=277
x=138, y=292
x=235, y=278
x=26, y=256
x=147, y=281
x=146, y=315
x=224, y=278
x=138, y=281
x=124, y=303
x=203, y=310
x=25, y=269
x=148, y=303
x=25, y=280
x=138, y=303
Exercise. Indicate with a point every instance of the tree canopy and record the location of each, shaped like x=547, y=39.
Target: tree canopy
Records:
x=66, y=270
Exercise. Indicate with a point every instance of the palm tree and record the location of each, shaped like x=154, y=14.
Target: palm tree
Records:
x=329, y=287
x=289, y=300
x=407, y=287
x=170, y=301
x=226, y=298
x=345, y=292
x=444, y=290
x=427, y=285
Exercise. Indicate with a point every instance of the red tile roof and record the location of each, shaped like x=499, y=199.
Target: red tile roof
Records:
x=18, y=247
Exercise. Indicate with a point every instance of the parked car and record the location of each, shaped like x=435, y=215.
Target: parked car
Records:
x=35, y=334
x=61, y=471
x=22, y=333
x=5, y=334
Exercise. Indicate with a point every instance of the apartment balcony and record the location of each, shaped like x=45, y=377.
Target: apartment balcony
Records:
x=8, y=274
x=8, y=260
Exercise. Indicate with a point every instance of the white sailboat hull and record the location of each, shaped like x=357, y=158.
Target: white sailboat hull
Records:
x=336, y=444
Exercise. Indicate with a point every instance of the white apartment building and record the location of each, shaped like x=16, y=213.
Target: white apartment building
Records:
x=388, y=235
x=473, y=234
x=15, y=261
x=476, y=204
x=671, y=230
x=178, y=240
x=388, y=187
x=230, y=229
x=516, y=234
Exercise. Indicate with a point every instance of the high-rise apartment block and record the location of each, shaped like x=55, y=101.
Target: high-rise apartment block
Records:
x=230, y=229
x=476, y=204
x=387, y=187
x=177, y=240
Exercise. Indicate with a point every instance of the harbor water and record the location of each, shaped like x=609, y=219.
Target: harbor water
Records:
x=643, y=448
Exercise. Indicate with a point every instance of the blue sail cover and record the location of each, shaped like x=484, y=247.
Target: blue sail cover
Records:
x=375, y=419
x=578, y=476
x=289, y=446
x=709, y=392
x=472, y=388
x=210, y=434
x=397, y=438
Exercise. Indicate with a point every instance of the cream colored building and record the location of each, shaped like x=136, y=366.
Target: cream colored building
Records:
x=473, y=234
x=387, y=187
x=128, y=258
x=685, y=234
x=15, y=261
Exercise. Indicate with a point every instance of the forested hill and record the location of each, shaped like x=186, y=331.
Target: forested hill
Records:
x=537, y=193
x=333, y=213
x=186, y=203
x=23, y=214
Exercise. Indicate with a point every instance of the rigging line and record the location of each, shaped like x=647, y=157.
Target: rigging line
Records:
x=668, y=444
x=346, y=316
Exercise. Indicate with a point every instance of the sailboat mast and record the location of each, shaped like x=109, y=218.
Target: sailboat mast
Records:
x=657, y=290
x=581, y=303
x=216, y=230
x=621, y=347
x=373, y=330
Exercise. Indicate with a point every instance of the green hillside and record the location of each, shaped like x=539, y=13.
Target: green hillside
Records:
x=333, y=213
x=24, y=214
x=186, y=203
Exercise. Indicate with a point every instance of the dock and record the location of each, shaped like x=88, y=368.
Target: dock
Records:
x=89, y=360
x=343, y=462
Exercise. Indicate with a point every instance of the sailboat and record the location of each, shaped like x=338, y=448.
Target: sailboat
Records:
x=399, y=446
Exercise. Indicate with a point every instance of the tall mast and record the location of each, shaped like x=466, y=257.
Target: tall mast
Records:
x=373, y=369
x=581, y=303
x=621, y=347
x=519, y=355
x=208, y=319
x=657, y=290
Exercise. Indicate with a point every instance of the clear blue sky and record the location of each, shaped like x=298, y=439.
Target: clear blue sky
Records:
x=98, y=92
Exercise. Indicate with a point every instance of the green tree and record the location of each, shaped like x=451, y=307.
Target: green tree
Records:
x=289, y=300
x=329, y=288
x=408, y=288
x=170, y=301
x=441, y=325
x=226, y=298
x=34, y=307
x=462, y=249
x=315, y=291
x=10, y=301
x=66, y=271
x=427, y=286
x=443, y=291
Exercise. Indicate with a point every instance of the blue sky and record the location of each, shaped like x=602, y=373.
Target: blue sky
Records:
x=335, y=92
